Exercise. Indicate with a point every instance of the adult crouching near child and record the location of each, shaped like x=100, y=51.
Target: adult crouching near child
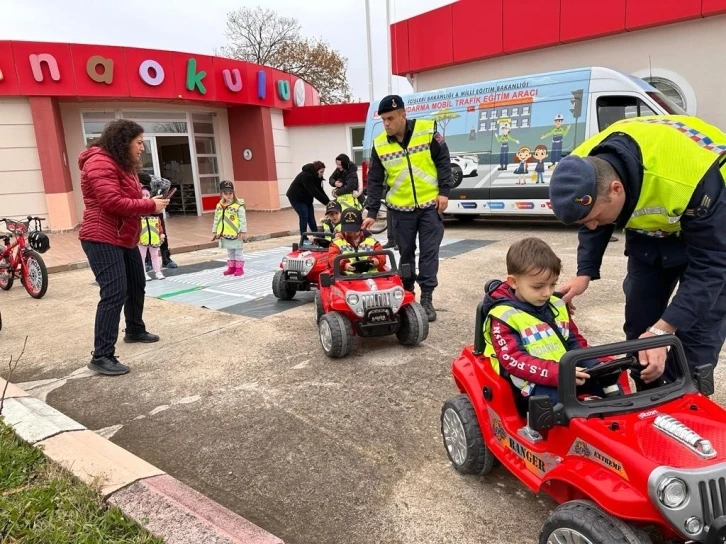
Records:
x=109, y=234
x=306, y=186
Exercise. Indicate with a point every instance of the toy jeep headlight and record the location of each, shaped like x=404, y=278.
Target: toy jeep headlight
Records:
x=284, y=260
x=309, y=263
x=672, y=492
x=352, y=299
x=398, y=294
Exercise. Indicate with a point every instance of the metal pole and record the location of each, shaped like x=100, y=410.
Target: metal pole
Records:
x=388, y=44
x=370, y=51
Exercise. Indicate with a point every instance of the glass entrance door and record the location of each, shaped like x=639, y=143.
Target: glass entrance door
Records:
x=150, y=157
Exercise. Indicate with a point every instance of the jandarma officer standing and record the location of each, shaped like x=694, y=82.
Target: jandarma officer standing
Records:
x=412, y=158
x=662, y=179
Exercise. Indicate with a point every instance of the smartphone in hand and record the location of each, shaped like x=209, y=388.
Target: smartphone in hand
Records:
x=168, y=195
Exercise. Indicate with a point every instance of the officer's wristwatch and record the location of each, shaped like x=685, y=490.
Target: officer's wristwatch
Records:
x=657, y=331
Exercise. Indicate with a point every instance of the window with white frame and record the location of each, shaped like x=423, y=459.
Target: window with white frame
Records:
x=206, y=148
x=356, y=144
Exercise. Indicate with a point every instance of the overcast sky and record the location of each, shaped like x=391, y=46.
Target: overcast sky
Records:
x=198, y=27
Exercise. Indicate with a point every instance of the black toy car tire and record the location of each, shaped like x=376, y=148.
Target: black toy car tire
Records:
x=319, y=310
x=414, y=327
x=479, y=460
x=341, y=332
x=280, y=288
x=590, y=521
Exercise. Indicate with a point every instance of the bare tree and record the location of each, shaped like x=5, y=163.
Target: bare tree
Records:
x=262, y=36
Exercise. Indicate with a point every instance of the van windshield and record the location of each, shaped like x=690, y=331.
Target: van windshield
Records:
x=664, y=102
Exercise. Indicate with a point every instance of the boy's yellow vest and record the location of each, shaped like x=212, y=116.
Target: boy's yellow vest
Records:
x=329, y=226
x=368, y=244
x=150, y=231
x=349, y=201
x=538, y=337
x=677, y=151
x=227, y=219
x=409, y=168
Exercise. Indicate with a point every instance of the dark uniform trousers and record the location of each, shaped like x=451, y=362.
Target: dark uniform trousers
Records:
x=654, y=269
x=119, y=273
x=428, y=225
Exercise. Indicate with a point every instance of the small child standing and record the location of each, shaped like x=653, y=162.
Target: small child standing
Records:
x=230, y=228
x=151, y=238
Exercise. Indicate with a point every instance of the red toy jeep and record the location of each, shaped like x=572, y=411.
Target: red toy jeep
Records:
x=300, y=269
x=624, y=468
x=367, y=304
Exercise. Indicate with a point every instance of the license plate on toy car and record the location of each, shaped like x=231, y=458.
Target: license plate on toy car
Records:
x=293, y=275
x=379, y=315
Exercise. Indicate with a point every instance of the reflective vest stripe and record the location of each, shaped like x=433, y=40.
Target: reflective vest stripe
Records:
x=150, y=232
x=228, y=224
x=368, y=244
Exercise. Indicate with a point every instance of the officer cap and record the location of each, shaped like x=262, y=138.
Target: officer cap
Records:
x=351, y=220
x=333, y=206
x=226, y=186
x=559, y=117
x=390, y=103
x=573, y=189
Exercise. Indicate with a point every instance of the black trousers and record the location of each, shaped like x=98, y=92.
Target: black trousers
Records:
x=428, y=225
x=648, y=288
x=119, y=272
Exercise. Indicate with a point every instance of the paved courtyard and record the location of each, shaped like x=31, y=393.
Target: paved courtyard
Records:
x=243, y=406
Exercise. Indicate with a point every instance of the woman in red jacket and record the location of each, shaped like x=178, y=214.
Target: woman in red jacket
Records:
x=109, y=234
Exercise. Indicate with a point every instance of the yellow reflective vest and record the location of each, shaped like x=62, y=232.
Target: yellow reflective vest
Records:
x=411, y=173
x=677, y=151
x=538, y=337
x=368, y=244
x=227, y=220
x=329, y=226
x=150, y=231
x=349, y=201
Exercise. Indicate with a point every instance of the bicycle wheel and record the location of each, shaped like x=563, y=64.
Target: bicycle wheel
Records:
x=381, y=223
x=6, y=275
x=35, y=274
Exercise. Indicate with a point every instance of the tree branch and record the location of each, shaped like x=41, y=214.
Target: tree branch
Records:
x=11, y=369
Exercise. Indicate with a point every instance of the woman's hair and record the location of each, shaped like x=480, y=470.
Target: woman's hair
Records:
x=344, y=160
x=318, y=165
x=116, y=139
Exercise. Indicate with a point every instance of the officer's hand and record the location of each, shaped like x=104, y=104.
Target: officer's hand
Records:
x=580, y=376
x=160, y=202
x=367, y=223
x=653, y=360
x=441, y=203
x=574, y=287
x=348, y=267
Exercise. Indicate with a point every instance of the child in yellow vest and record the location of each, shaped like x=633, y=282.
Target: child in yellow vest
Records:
x=528, y=330
x=151, y=238
x=230, y=228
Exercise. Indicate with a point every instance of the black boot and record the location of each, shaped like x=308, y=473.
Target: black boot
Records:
x=142, y=337
x=110, y=366
x=390, y=245
x=428, y=305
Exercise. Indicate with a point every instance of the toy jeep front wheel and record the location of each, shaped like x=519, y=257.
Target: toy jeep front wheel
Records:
x=336, y=335
x=319, y=310
x=280, y=287
x=414, y=325
x=462, y=436
x=583, y=522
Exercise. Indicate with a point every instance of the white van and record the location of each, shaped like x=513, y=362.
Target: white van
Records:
x=506, y=136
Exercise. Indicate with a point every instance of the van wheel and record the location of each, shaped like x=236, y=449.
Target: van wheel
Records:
x=457, y=174
x=583, y=521
x=462, y=436
x=414, y=327
x=280, y=288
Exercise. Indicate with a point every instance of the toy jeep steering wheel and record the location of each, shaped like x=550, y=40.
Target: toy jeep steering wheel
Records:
x=361, y=267
x=611, y=369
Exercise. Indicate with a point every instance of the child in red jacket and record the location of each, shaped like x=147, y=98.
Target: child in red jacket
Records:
x=353, y=239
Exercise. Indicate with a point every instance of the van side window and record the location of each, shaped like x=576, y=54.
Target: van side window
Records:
x=615, y=108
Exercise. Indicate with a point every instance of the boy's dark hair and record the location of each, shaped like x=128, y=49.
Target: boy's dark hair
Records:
x=532, y=255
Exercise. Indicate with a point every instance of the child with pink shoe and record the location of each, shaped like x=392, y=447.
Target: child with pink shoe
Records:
x=230, y=228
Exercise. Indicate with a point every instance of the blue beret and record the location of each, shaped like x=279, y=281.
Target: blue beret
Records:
x=573, y=189
x=390, y=103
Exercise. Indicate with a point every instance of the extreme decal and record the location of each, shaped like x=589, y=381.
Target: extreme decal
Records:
x=583, y=449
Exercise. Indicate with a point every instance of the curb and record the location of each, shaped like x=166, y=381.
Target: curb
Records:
x=159, y=503
x=78, y=265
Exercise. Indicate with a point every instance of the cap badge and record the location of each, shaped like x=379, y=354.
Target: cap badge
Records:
x=393, y=103
x=585, y=200
x=350, y=217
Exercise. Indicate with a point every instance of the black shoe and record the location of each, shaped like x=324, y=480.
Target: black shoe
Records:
x=428, y=305
x=143, y=337
x=109, y=366
x=613, y=238
x=148, y=267
x=170, y=264
x=390, y=245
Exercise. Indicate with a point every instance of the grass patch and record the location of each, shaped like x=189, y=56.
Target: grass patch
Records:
x=41, y=503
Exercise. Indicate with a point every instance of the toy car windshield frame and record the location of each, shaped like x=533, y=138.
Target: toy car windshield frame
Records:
x=569, y=406
x=340, y=276
x=317, y=235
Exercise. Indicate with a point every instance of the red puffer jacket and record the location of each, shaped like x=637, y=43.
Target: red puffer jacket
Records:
x=113, y=201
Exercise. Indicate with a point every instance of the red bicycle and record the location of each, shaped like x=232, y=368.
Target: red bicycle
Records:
x=22, y=259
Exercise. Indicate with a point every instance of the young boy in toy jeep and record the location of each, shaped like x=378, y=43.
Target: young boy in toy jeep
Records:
x=353, y=239
x=528, y=329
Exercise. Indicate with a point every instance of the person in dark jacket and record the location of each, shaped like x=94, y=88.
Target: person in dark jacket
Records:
x=632, y=176
x=306, y=186
x=344, y=181
x=109, y=233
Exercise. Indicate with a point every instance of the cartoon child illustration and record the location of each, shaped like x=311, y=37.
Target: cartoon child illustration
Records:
x=503, y=138
x=540, y=154
x=523, y=156
x=558, y=134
